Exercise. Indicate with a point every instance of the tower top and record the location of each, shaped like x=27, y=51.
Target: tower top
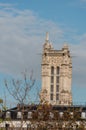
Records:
x=56, y=74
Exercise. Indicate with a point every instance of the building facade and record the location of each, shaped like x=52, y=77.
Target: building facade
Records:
x=56, y=75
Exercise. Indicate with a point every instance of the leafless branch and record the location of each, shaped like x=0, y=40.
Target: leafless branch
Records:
x=19, y=89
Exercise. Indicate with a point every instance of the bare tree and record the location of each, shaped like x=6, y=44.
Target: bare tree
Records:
x=20, y=88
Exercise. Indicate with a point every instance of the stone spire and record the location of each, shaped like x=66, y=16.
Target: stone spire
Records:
x=47, y=37
x=47, y=45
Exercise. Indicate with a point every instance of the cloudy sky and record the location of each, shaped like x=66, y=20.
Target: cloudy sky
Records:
x=23, y=25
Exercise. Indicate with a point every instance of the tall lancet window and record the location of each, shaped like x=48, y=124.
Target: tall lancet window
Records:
x=52, y=83
x=57, y=82
x=58, y=70
x=52, y=70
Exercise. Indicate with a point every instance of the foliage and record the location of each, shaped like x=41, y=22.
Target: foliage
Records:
x=45, y=117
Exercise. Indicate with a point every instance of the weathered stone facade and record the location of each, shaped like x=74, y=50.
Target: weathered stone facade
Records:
x=56, y=75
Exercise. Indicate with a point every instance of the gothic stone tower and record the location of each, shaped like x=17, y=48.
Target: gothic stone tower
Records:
x=56, y=75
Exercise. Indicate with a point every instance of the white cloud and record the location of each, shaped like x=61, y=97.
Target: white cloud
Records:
x=22, y=34
x=21, y=38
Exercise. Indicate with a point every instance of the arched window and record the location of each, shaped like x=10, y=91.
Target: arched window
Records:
x=57, y=82
x=52, y=83
x=52, y=79
x=8, y=114
x=58, y=70
x=19, y=115
x=57, y=79
x=29, y=115
x=83, y=115
x=57, y=96
x=52, y=70
x=51, y=96
x=52, y=87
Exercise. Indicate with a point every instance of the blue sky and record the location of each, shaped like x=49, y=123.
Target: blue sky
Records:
x=23, y=25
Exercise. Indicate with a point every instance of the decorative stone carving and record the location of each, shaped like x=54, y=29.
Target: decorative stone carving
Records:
x=61, y=59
